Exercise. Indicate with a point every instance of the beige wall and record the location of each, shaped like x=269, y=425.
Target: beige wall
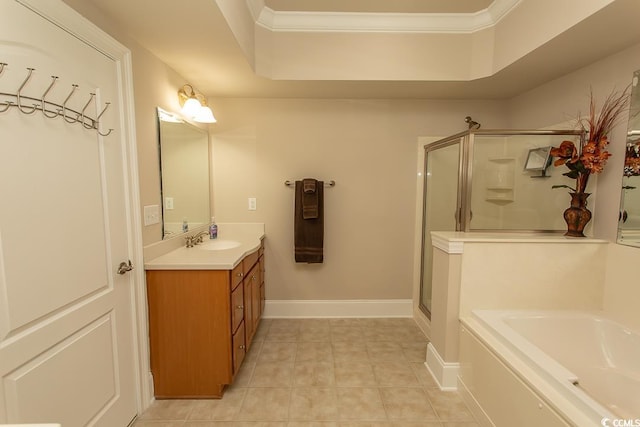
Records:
x=562, y=99
x=155, y=85
x=369, y=148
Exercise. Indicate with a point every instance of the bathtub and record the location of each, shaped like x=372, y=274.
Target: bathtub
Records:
x=591, y=363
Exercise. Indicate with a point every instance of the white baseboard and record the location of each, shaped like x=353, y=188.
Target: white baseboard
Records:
x=147, y=404
x=445, y=373
x=275, y=309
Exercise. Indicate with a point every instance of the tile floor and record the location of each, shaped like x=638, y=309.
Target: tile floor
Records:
x=325, y=373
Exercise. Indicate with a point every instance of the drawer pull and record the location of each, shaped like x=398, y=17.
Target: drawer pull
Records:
x=240, y=274
x=241, y=346
x=240, y=307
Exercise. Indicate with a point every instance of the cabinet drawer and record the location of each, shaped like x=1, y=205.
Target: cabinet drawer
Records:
x=249, y=261
x=237, y=307
x=236, y=275
x=239, y=348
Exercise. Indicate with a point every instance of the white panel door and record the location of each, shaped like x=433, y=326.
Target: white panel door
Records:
x=66, y=334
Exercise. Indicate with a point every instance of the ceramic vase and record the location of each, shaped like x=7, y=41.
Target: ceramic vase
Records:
x=577, y=215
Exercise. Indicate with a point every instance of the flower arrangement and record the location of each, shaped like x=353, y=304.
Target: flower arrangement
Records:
x=593, y=154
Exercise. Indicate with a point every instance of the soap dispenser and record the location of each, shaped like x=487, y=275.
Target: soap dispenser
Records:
x=185, y=225
x=213, y=229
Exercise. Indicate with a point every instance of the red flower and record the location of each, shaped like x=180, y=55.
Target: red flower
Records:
x=590, y=148
x=566, y=153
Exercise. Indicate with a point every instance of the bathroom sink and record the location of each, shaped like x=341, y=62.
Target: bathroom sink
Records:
x=218, y=245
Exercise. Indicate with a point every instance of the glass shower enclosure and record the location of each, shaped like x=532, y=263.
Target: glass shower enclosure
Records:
x=491, y=180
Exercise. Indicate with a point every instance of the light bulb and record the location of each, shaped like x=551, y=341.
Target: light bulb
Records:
x=191, y=107
x=205, y=115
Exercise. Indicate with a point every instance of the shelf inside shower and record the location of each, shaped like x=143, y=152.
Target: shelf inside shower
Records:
x=502, y=196
x=500, y=188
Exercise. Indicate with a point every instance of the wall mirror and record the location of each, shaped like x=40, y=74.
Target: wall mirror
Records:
x=629, y=221
x=184, y=174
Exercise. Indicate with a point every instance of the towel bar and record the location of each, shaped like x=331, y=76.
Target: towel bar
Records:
x=331, y=183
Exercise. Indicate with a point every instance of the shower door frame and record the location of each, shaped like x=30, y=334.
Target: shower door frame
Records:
x=466, y=140
x=461, y=201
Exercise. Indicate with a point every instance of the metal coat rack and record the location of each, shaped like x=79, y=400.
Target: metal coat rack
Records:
x=51, y=109
x=331, y=183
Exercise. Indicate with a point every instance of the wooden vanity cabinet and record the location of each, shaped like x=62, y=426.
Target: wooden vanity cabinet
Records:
x=201, y=324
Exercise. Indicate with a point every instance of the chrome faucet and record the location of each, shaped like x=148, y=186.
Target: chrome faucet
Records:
x=191, y=241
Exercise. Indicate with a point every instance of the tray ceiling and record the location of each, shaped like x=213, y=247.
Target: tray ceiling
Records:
x=215, y=50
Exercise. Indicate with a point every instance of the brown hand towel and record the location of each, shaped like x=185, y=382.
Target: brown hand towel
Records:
x=309, y=232
x=309, y=198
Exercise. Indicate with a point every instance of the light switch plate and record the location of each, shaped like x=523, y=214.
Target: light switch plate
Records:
x=168, y=203
x=252, y=203
x=151, y=214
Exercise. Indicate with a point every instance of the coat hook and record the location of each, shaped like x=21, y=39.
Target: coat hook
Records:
x=96, y=123
x=90, y=126
x=64, y=106
x=87, y=122
x=106, y=105
x=25, y=110
x=43, y=101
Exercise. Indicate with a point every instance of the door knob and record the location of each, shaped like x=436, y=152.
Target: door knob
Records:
x=124, y=267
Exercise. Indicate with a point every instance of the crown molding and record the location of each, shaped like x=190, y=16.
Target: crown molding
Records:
x=256, y=7
x=285, y=21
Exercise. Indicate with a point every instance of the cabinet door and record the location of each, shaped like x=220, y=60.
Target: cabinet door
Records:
x=248, y=308
x=189, y=332
x=239, y=348
x=255, y=296
x=249, y=261
x=262, y=294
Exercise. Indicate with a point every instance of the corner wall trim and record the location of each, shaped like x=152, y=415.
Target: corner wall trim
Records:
x=449, y=246
x=445, y=373
x=275, y=309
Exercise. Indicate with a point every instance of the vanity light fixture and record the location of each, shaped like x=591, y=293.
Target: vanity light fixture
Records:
x=194, y=105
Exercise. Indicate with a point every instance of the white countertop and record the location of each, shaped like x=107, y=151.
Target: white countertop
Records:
x=511, y=237
x=452, y=242
x=248, y=235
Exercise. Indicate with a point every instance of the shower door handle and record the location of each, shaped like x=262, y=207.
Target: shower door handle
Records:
x=459, y=216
